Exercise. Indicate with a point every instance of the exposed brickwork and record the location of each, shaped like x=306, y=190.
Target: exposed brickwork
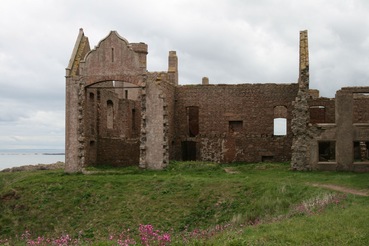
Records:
x=117, y=152
x=322, y=110
x=253, y=104
x=119, y=114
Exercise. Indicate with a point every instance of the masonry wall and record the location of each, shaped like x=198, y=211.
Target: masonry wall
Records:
x=235, y=122
x=112, y=127
x=168, y=91
x=117, y=152
x=361, y=109
x=322, y=110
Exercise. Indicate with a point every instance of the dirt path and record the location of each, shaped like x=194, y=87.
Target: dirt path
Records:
x=342, y=189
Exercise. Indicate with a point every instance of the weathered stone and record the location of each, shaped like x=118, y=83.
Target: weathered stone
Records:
x=118, y=113
x=300, y=113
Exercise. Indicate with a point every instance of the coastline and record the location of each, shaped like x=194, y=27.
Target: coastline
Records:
x=53, y=166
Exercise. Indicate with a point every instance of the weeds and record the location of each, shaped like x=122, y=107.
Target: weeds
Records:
x=318, y=204
x=189, y=203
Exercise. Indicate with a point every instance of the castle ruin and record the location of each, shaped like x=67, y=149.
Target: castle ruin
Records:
x=120, y=114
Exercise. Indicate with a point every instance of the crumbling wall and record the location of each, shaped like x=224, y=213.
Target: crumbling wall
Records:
x=103, y=124
x=361, y=108
x=322, y=110
x=119, y=114
x=249, y=106
x=74, y=125
x=116, y=143
x=301, y=115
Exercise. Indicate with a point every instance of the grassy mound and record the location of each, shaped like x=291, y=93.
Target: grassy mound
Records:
x=232, y=204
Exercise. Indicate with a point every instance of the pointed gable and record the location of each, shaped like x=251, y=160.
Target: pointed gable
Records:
x=112, y=58
x=81, y=48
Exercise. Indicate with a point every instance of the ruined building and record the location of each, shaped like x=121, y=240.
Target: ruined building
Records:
x=118, y=114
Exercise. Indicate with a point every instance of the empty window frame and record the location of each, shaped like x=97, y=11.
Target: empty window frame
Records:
x=317, y=114
x=235, y=126
x=193, y=120
x=133, y=121
x=360, y=108
x=280, y=127
x=361, y=153
x=109, y=114
x=327, y=151
x=280, y=121
x=92, y=112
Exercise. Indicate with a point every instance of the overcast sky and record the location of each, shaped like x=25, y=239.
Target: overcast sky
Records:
x=229, y=41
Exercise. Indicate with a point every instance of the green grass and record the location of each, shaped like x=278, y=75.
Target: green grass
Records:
x=260, y=204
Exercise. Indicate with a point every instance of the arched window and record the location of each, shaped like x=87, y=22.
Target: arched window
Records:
x=110, y=114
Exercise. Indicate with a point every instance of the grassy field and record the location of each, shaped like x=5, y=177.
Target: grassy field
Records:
x=195, y=203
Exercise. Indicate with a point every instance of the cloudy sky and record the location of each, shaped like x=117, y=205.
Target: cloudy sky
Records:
x=229, y=41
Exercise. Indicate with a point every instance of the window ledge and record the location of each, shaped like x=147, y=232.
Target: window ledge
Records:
x=327, y=162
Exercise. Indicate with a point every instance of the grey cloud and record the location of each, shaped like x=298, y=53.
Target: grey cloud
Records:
x=229, y=41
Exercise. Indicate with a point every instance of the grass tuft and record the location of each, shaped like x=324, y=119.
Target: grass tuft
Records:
x=195, y=203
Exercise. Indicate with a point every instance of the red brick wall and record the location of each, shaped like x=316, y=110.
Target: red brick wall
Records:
x=322, y=110
x=117, y=152
x=116, y=146
x=253, y=104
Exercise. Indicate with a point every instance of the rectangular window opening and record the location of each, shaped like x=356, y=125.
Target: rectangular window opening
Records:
x=361, y=153
x=317, y=114
x=235, y=126
x=280, y=127
x=193, y=120
x=133, y=121
x=360, y=110
x=267, y=158
x=327, y=151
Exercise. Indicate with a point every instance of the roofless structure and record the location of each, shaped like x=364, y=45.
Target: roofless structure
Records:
x=120, y=114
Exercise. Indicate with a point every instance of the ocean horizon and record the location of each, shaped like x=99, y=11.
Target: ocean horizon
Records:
x=19, y=157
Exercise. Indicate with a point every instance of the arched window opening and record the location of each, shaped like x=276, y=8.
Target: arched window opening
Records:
x=110, y=114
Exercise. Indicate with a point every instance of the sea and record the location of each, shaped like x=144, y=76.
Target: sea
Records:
x=20, y=157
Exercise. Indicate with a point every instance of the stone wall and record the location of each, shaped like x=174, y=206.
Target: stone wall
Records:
x=120, y=124
x=117, y=152
x=250, y=106
x=119, y=114
x=301, y=115
x=322, y=110
x=361, y=109
x=157, y=119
